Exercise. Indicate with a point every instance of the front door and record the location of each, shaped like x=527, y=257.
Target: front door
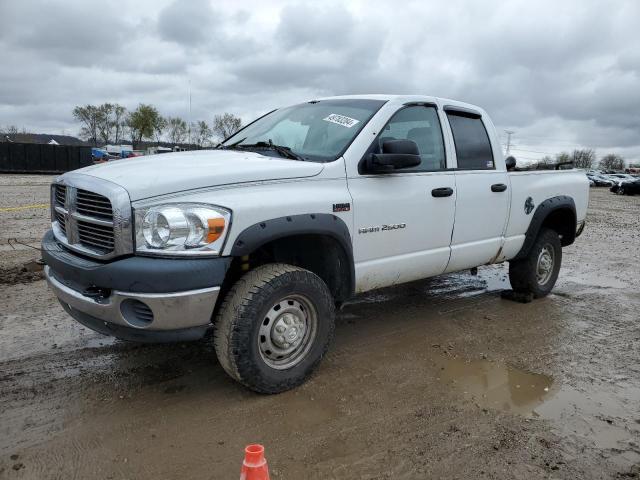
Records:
x=403, y=221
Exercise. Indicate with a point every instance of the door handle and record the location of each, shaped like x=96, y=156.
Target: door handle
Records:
x=498, y=187
x=442, y=192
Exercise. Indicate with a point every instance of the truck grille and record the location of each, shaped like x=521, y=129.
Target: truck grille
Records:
x=89, y=221
x=60, y=195
x=93, y=205
x=62, y=223
x=94, y=236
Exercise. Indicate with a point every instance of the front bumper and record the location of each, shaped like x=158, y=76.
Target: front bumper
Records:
x=149, y=311
x=141, y=299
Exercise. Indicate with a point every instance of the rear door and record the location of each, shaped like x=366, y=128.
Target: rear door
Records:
x=402, y=229
x=482, y=203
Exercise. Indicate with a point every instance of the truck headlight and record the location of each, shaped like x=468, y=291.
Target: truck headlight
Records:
x=181, y=229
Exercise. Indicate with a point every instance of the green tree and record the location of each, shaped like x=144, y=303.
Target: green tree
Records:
x=176, y=129
x=612, y=162
x=144, y=123
x=226, y=125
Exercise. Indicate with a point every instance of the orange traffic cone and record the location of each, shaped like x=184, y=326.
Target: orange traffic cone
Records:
x=254, y=466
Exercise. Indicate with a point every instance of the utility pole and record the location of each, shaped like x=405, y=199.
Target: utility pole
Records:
x=189, y=126
x=509, y=133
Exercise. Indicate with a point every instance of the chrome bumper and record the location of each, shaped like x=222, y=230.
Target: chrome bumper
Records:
x=168, y=311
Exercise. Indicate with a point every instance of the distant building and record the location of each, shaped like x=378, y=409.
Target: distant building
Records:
x=44, y=138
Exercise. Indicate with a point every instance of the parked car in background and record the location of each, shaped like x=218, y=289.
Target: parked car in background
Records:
x=626, y=187
x=100, y=155
x=618, y=177
x=599, y=180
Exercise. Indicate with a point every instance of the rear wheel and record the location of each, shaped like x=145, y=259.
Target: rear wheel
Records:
x=537, y=273
x=274, y=327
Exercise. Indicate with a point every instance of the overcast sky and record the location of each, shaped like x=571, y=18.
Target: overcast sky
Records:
x=561, y=74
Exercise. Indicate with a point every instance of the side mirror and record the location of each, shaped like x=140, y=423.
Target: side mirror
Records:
x=396, y=155
x=510, y=162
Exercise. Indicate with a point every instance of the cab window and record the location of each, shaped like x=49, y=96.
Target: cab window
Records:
x=420, y=124
x=473, y=148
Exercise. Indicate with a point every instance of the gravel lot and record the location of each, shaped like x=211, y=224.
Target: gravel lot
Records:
x=434, y=379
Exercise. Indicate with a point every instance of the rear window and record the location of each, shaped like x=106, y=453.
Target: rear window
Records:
x=473, y=148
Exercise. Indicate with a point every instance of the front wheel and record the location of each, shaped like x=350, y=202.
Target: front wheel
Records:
x=274, y=327
x=537, y=273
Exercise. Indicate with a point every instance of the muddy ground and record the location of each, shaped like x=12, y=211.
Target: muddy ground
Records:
x=435, y=379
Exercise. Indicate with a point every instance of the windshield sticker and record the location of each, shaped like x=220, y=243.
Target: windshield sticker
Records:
x=341, y=120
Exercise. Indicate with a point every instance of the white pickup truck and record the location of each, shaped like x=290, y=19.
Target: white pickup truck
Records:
x=265, y=236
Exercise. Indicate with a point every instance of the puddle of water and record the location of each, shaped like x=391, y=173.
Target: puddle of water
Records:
x=496, y=385
x=606, y=416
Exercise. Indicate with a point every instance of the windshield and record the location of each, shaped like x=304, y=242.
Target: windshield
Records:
x=319, y=131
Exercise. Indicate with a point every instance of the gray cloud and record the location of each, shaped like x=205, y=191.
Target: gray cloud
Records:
x=187, y=22
x=562, y=74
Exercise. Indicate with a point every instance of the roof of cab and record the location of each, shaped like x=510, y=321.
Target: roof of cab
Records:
x=402, y=99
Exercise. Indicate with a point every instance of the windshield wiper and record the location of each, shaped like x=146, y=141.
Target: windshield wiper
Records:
x=281, y=149
x=229, y=147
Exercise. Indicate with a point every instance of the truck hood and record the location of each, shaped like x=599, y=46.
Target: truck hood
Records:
x=154, y=175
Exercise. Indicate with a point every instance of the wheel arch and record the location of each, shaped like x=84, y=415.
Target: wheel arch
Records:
x=319, y=242
x=557, y=213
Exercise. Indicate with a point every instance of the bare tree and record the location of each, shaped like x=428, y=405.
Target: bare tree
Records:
x=226, y=125
x=104, y=122
x=563, y=157
x=201, y=133
x=612, y=162
x=118, y=121
x=159, y=127
x=9, y=133
x=544, y=163
x=585, y=158
x=176, y=129
x=89, y=116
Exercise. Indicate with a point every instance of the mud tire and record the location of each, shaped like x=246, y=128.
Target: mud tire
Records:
x=523, y=273
x=236, y=328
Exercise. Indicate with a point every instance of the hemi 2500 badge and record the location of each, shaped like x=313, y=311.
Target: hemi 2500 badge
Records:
x=382, y=228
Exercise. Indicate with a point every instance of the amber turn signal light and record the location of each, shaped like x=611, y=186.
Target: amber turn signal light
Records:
x=216, y=227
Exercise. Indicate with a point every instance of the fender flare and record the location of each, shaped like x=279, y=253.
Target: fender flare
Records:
x=550, y=205
x=261, y=233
